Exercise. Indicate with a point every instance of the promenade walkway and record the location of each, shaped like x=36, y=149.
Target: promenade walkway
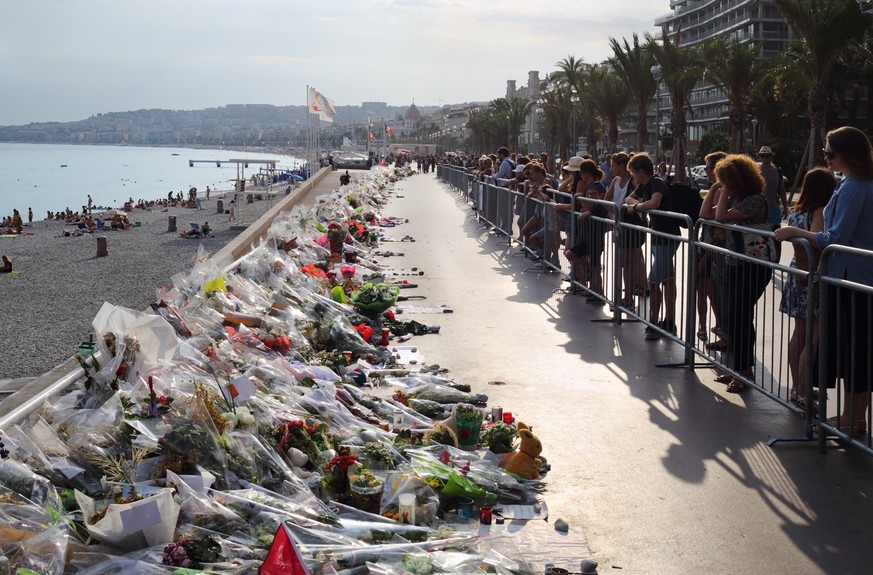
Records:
x=662, y=470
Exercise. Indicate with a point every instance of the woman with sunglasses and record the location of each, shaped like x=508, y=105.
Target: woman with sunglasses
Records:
x=848, y=221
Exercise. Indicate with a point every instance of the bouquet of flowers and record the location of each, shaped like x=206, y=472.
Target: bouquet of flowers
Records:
x=192, y=553
x=375, y=298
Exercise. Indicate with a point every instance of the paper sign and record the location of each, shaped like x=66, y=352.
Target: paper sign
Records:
x=240, y=390
x=140, y=517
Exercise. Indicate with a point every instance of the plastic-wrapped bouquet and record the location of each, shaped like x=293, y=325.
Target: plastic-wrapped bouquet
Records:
x=375, y=298
x=192, y=553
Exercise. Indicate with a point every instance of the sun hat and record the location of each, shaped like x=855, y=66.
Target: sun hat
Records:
x=765, y=151
x=573, y=164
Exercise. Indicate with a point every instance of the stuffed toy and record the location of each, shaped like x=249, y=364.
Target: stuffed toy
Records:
x=525, y=462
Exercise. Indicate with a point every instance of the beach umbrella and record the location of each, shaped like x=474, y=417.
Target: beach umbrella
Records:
x=115, y=212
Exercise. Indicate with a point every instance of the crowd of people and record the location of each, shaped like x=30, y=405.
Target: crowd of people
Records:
x=744, y=192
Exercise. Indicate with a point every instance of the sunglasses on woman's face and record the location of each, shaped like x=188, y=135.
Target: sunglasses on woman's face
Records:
x=828, y=154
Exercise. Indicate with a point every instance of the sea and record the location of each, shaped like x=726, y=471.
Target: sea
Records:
x=54, y=177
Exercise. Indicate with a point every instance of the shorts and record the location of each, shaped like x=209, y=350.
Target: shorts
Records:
x=663, y=264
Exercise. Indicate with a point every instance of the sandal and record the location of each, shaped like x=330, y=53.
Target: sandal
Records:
x=724, y=378
x=720, y=345
x=853, y=432
x=736, y=386
x=798, y=401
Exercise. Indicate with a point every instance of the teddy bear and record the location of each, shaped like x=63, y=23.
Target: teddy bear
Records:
x=525, y=462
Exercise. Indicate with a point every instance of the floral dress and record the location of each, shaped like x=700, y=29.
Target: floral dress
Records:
x=794, y=295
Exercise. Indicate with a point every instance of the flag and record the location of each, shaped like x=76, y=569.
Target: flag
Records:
x=389, y=131
x=372, y=136
x=347, y=143
x=318, y=104
x=284, y=556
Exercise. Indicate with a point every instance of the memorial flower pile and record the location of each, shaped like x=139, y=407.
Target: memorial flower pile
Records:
x=230, y=421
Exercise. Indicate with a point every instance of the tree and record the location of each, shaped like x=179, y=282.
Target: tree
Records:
x=570, y=75
x=610, y=97
x=826, y=28
x=512, y=113
x=634, y=66
x=557, y=117
x=681, y=67
x=733, y=67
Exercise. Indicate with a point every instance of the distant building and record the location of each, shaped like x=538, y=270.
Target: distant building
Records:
x=749, y=21
x=529, y=138
x=411, y=119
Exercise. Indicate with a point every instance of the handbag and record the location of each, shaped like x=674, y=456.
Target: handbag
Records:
x=758, y=246
x=755, y=245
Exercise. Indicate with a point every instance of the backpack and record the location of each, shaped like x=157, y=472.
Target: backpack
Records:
x=686, y=200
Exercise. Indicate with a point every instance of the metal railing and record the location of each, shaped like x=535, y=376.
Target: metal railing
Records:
x=731, y=312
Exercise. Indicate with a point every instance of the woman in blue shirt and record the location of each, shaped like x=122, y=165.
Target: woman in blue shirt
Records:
x=848, y=221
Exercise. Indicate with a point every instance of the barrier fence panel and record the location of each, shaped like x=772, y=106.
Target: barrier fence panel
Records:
x=744, y=315
x=845, y=350
x=745, y=319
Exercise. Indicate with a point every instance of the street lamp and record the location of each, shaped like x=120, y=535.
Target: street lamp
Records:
x=754, y=133
x=656, y=74
x=575, y=143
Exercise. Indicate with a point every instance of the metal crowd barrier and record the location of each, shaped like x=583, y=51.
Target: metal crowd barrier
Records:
x=717, y=292
x=844, y=351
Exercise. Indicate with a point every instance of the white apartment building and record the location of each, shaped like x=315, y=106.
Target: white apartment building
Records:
x=753, y=21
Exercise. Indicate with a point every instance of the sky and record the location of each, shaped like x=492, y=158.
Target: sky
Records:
x=66, y=60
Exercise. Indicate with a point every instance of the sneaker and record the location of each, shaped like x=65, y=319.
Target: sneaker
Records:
x=652, y=333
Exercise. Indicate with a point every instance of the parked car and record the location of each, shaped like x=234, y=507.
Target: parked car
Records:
x=699, y=179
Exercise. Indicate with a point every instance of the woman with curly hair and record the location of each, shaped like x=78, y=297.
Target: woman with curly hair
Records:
x=742, y=188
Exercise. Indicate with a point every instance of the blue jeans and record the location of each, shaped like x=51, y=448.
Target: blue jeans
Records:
x=663, y=265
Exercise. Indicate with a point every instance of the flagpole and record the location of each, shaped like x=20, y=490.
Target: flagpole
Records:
x=308, y=134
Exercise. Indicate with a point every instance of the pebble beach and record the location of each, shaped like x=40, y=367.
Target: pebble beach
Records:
x=59, y=283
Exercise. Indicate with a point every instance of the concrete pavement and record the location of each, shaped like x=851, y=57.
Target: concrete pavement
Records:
x=662, y=469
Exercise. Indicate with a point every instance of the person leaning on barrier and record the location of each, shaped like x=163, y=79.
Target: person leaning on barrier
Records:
x=818, y=187
x=652, y=193
x=633, y=265
x=710, y=266
x=505, y=166
x=537, y=189
x=848, y=221
x=745, y=281
x=588, y=250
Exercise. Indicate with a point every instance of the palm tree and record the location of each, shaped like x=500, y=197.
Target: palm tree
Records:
x=512, y=113
x=681, y=67
x=479, y=125
x=733, y=67
x=570, y=74
x=634, y=66
x=826, y=28
x=610, y=98
x=557, y=105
